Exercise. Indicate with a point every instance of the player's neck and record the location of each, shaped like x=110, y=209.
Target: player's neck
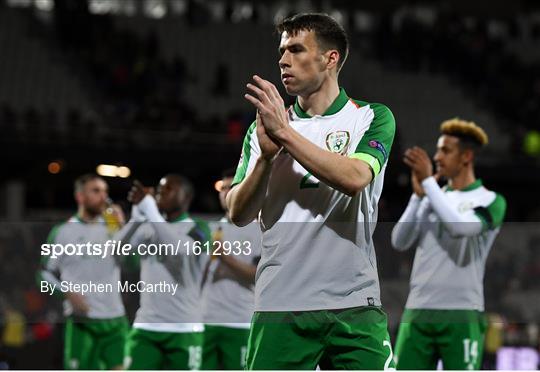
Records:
x=317, y=103
x=86, y=216
x=463, y=179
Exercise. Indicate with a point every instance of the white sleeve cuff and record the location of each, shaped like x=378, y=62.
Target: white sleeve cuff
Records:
x=429, y=184
x=149, y=208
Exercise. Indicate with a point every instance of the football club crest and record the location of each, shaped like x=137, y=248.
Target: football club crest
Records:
x=338, y=142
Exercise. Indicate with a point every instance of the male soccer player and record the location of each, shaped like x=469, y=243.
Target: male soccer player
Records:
x=96, y=325
x=228, y=293
x=314, y=173
x=168, y=328
x=453, y=229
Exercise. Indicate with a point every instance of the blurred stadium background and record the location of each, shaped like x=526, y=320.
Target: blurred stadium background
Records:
x=153, y=86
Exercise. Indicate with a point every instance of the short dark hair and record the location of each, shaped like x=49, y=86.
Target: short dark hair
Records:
x=84, y=179
x=228, y=173
x=328, y=32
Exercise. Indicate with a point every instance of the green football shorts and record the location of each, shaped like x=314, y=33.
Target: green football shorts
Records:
x=355, y=338
x=163, y=350
x=95, y=343
x=454, y=336
x=224, y=347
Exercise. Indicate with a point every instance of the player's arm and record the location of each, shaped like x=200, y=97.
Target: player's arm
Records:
x=146, y=207
x=457, y=224
x=127, y=232
x=349, y=175
x=470, y=223
x=169, y=234
x=165, y=232
x=244, y=270
x=250, y=183
x=407, y=230
x=245, y=200
x=50, y=272
x=352, y=174
x=132, y=233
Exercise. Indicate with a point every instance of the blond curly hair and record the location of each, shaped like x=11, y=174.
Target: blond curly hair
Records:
x=465, y=129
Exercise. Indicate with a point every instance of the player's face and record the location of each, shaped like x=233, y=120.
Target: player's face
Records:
x=449, y=157
x=169, y=196
x=225, y=188
x=93, y=196
x=302, y=63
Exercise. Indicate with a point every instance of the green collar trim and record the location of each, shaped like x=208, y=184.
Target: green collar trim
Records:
x=337, y=105
x=182, y=217
x=476, y=184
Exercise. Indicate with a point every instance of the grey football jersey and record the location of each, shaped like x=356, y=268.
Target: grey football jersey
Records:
x=317, y=248
x=165, y=311
x=84, y=269
x=228, y=299
x=448, y=271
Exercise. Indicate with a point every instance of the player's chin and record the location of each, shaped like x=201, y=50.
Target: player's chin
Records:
x=291, y=91
x=96, y=211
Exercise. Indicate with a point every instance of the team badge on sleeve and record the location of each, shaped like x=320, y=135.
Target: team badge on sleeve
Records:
x=338, y=142
x=379, y=146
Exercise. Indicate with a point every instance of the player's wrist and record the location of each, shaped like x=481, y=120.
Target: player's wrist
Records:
x=266, y=160
x=282, y=134
x=149, y=209
x=429, y=184
x=225, y=258
x=146, y=203
x=415, y=198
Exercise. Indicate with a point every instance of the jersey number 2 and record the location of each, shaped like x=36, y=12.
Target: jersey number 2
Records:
x=306, y=183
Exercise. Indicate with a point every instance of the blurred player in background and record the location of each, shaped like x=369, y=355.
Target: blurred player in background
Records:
x=453, y=229
x=96, y=325
x=314, y=173
x=168, y=328
x=228, y=292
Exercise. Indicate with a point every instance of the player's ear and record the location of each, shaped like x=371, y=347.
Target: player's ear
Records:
x=78, y=197
x=332, y=59
x=467, y=155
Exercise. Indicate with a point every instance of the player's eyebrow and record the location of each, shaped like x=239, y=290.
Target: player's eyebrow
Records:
x=292, y=47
